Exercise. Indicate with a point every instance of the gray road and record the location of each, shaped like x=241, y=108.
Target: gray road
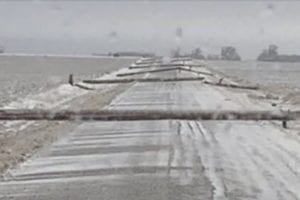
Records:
x=166, y=159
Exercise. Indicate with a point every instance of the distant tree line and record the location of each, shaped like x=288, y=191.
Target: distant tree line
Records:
x=270, y=54
x=2, y=49
x=227, y=53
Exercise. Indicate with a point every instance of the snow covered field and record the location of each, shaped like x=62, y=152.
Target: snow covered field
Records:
x=266, y=73
x=23, y=75
x=281, y=79
x=41, y=82
x=167, y=159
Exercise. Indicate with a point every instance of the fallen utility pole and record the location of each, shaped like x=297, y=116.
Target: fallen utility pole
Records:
x=71, y=79
x=195, y=71
x=148, y=71
x=126, y=115
x=148, y=63
x=72, y=83
x=164, y=65
x=108, y=81
x=179, y=65
x=232, y=85
x=161, y=70
x=83, y=87
x=141, y=66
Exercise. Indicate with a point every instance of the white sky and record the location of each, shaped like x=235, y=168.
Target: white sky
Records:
x=102, y=26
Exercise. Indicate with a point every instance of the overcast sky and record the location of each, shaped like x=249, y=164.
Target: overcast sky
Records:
x=84, y=27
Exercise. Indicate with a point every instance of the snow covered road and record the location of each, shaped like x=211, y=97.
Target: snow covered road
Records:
x=166, y=159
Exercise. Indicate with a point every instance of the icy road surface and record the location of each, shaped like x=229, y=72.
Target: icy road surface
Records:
x=158, y=160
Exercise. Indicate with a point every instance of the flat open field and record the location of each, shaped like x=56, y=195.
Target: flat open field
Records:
x=163, y=159
x=27, y=75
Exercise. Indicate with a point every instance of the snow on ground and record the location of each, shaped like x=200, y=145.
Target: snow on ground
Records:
x=277, y=80
x=167, y=159
x=21, y=76
x=49, y=99
x=59, y=96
